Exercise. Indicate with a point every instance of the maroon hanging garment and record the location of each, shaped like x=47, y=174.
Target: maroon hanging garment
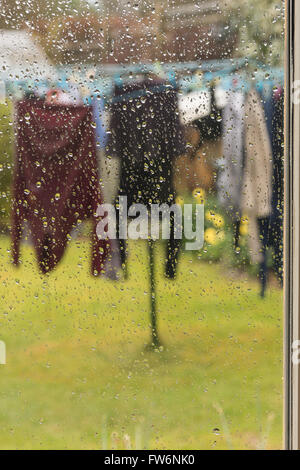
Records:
x=55, y=180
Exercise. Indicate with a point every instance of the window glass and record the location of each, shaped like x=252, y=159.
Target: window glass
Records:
x=141, y=221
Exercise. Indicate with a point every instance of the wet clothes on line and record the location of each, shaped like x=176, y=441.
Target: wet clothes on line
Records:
x=274, y=110
x=55, y=184
x=230, y=175
x=147, y=136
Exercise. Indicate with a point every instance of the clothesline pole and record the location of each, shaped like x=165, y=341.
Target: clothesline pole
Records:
x=153, y=317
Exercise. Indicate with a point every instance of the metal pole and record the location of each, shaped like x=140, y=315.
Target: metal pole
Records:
x=153, y=317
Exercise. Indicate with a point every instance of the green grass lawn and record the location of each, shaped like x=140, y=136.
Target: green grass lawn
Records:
x=78, y=375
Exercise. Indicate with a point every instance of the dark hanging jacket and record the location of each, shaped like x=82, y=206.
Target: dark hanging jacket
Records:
x=147, y=136
x=55, y=181
x=274, y=109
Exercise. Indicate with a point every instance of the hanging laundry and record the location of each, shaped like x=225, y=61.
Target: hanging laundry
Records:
x=147, y=135
x=276, y=235
x=274, y=110
x=231, y=165
x=194, y=105
x=55, y=180
x=101, y=120
x=108, y=167
x=257, y=180
x=62, y=97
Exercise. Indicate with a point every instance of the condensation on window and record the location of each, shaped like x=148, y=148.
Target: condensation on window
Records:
x=141, y=224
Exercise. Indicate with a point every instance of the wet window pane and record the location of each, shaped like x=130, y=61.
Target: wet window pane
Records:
x=141, y=221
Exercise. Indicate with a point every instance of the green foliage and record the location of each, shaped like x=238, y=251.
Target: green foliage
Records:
x=6, y=162
x=219, y=235
x=260, y=24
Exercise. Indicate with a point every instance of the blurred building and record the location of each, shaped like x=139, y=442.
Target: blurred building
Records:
x=185, y=31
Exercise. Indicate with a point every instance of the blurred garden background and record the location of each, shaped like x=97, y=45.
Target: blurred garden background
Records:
x=78, y=375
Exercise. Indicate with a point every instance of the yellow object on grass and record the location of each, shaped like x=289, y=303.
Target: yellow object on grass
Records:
x=179, y=200
x=215, y=218
x=244, y=226
x=199, y=195
x=210, y=236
